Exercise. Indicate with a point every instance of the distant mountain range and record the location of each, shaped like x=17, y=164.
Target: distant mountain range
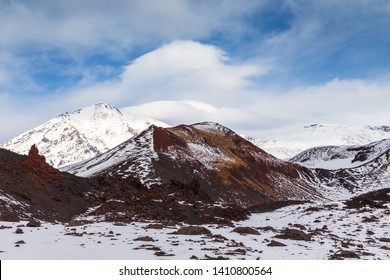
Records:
x=287, y=144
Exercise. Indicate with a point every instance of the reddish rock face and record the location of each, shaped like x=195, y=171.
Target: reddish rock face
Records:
x=38, y=189
x=36, y=162
x=33, y=154
x=227, y=166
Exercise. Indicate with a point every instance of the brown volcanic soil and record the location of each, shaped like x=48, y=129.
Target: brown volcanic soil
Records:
x=39, y=189
x=126, y=200
x=249, y=177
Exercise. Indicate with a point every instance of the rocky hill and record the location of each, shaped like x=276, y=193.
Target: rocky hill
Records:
x=227, y=167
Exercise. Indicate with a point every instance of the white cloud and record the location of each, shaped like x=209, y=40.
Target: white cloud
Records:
x=190, y=111
x=179, y=70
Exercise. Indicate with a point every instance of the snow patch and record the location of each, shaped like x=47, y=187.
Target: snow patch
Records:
x=209, y=156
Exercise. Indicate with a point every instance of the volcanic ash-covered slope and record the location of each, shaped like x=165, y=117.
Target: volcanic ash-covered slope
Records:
x=29, y=187
x=226, y=166
x=80, y=135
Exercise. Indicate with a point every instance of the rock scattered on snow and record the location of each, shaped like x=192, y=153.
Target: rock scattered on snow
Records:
x=193, y=230
x=246, y=230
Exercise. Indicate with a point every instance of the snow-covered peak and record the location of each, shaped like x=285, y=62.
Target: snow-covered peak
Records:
x=81, y=135
x=210, y=126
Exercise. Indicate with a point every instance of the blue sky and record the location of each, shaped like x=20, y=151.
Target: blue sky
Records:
x=275, y=63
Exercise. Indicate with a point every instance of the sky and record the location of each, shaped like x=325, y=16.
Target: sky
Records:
x=252, y=65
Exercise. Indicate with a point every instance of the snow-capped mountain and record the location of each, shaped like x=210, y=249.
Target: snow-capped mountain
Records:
x=81, y=135
x=341, y=157
x=287, y=144
x=226, y=166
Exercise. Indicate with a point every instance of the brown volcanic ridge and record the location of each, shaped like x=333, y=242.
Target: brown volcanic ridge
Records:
x=227, y=167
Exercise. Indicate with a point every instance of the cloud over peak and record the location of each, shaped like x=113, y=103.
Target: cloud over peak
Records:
x=178, y=70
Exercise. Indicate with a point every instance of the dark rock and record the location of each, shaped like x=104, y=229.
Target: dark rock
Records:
x=236, y=252
x=34, y=223
x=154, y=226
x=219, y=237
x=370, y=219
x=4, y=227
x=193, y=230
x=163, y=254
x=267, y=228
x=246, y=230
x=384, y=239
x=301, y=227
x=9, y=217
x=294, y=234
x=274, y=243
x=342, y=254
x=145, y=238
x=313, y=209
x=19, y=231
x=119, y=224
x=194, y=258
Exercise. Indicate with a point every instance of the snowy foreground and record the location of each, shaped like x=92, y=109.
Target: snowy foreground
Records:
x=326, y=231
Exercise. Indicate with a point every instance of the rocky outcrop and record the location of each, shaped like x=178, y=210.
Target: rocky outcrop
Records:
x=29, y=186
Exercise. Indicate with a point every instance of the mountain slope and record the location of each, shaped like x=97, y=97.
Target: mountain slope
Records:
x=225, y=165
x=344, y=171
x=287, y=144
x=371, y=176
x=341, y=157
x=83, y=134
